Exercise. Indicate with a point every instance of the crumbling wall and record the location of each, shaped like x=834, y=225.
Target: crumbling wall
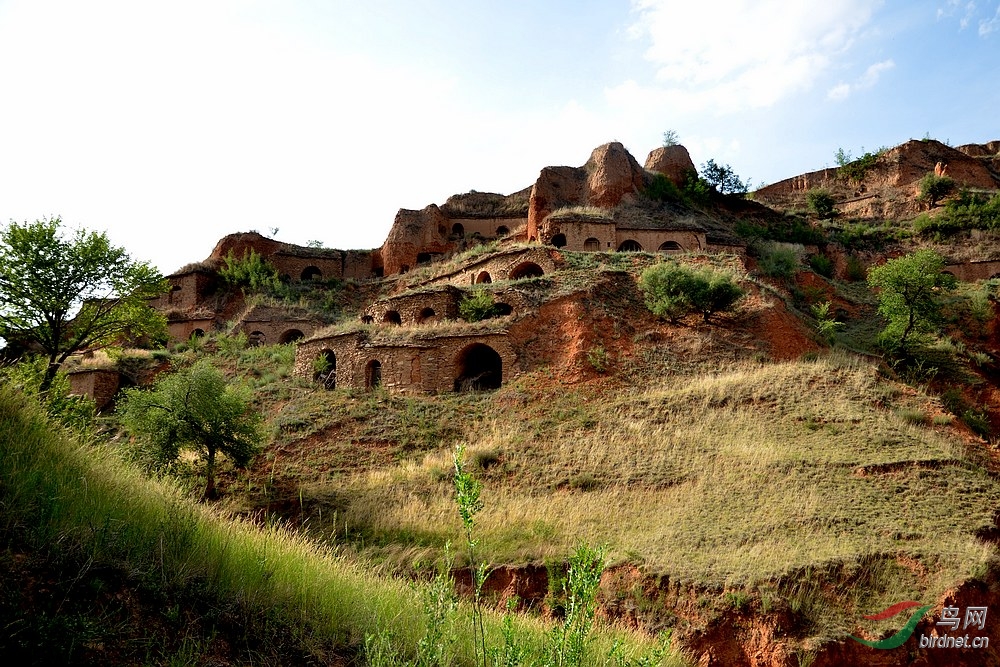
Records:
x=499, y=266
x=652, y=239
x=420, y=307
x=422, y=365
x=99, y=384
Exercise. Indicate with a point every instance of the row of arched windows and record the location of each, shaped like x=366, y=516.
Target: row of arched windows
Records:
x=478, y=367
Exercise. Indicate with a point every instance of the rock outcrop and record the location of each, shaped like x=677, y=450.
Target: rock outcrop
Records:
x=413, y=234
x=674, y=162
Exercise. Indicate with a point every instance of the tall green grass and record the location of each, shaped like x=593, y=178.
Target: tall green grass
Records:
x=79, y=500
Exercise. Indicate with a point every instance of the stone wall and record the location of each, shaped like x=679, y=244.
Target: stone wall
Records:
x=186, y=290
x=973, y=271
x=182, y=329
x=419, y=307
x=487, y=227
x=99, y=384
x=500, y=266
x=652, y=239
x=421, y=365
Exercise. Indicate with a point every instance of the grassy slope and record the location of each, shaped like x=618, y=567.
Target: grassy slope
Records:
x=79, y=505
x=719, y=474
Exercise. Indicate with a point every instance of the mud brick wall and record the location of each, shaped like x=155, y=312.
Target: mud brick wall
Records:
x=413, y=308
x=429, y=365
x=99, y=384
x=973, y=271
x=500, y=266
x=487, y=227
x=652, y=239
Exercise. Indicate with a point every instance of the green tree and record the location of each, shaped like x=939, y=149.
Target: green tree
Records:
x=670, y=138
x=69, y=294
x=909, y=295
x=933, y=188
x=723, y=178
x=194, y=409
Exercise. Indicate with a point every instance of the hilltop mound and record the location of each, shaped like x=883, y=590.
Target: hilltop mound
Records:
x=885, y=185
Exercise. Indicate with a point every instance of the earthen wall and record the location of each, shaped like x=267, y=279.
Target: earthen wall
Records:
x=487, y=227
x=99, y=384
x=651, y=239
x=429, y=365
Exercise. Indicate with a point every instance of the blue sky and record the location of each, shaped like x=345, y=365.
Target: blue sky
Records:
x=172, y=124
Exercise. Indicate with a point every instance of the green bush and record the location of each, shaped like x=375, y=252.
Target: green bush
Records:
x=822, y=265
x=477, y=305
x=777, y=261
x=662, y=188
x=251, y=273
x=856, y=170
x=672, y=291
x=933, y=188
x=855, y=269
x=821, y=203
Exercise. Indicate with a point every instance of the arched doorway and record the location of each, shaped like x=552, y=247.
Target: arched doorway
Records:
x=426, y=315
x=630, y=246
x=392, y=317
x=325, y=369
x=670, y=247
x=423, y=258
x=484, y=278
x=526, y=270
x=502, y=231
x=311, y=273
x=559, y=240
x=501, y=309
x=256, y=338
x=373, y=374
x=592, y=245
x=290, y=336
x=458, y=230
x=478, y=368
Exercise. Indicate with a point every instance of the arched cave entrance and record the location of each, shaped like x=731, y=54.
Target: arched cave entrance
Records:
x=392, y=317
x=501, y=309
x=630, y=246
x=502, y=231
x=197, y=333
x=670, y=246
x=559, y=240
x=311, y=273
x=592, y=245
x=367, y=319
x=426, y=315
x=479, y=368
x=458, y=230
x=325, y=369
x=373, y=374
x=256, y=338
x=484, y=278
x=526, y=270
x=290, y=336
x=423, y=258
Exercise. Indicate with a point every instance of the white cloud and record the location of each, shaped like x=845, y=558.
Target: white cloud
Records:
x=986, y=26
x=731, y=56
x=867, y=80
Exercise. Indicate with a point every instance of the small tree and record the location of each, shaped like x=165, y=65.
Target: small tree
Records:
x=933, y=188
x=723, y=178
x=909, y=295
x=69, y=294
x=670, y=138
x=194, y=409
x=821, y=202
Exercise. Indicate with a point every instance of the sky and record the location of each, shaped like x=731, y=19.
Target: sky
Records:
x=171, y=124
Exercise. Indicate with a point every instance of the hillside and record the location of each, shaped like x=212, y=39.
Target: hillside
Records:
x=761, y=485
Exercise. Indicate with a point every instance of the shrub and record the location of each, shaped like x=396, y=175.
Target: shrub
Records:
x=477, y=305
x=856, y=170
x=662, y=188
x=251, y=273
x=933, y=188
x=822, y=265
x=672, y=291
x=821, y=203
x=598, y=358
x=697, y=189
x=777, y=261
x=855, y=269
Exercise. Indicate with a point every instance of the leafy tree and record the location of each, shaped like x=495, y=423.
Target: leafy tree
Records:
x=723, y=178
x=842, y=157
x=821, y=202
x=194, y=409
x=909, y=290
x=68, y=294
x=933, y=188
x=670, y=138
